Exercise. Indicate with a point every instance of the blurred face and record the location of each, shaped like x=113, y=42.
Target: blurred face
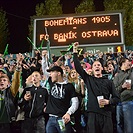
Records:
x=83, y=65
x=54, y=76
x=127, y=64
x=85, y=55
x=1, y=73
x=114, y=62
x=1, y=65
x=29, y=80
x=97, y=69
x=73, y=74
x=67, y=69
x=36, y=78
x=110, y=68
x=4, y=83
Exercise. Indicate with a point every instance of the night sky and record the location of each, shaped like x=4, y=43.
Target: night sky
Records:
x=18, y=14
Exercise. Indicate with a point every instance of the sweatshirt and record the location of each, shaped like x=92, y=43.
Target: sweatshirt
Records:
x=97, y=87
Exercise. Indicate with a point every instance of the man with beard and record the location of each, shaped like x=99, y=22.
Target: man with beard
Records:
x=99, y=100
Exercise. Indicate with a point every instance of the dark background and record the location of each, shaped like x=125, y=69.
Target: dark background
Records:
x=18, y=14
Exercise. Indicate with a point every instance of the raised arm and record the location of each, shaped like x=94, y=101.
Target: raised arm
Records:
x=77, y=64
x=16, y=77
x=45, y=63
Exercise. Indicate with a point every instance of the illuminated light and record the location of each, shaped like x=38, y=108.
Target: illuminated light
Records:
x=86, y=34
x=104, y=33
x=41, y=37
x=80, y=51
x=61, y=37
x=99, y=33
x=46, y=23
x=46, y=37
x=113, y=33
x=80, y=21
x=69, y=18
x=119, y=49
x=93, y=32
x=84, y=20
x=67, y=21
x=89, y=29
x=61, y=40
x=61, y=22
x=103, y=19
x=75, y=21
x=70, y=21
x=74, y=27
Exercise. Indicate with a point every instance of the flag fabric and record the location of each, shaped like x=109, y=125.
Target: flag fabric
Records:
x=40, y=48
x=6, y=51
x=32, y=43
x=49, y=52
x=70, y=47
x=48, y=47
x=63, y=52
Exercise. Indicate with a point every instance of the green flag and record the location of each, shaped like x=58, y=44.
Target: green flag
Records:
x=41, y=44
x=49, y=51
x=48, y=47
x=6, y=50
x=63, y=52
x=32, y=43
x=70, y=47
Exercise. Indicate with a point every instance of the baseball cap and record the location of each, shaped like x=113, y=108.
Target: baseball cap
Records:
x=3, y=70
x=56, y=68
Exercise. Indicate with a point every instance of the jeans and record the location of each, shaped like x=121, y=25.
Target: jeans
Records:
x=124, y=117
x=53, y=126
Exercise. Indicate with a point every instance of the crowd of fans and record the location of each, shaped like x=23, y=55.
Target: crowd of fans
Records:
x=24, y=72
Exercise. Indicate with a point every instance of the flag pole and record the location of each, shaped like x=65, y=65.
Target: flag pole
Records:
x=6, y=50
x=48, y=45
x=32, y=43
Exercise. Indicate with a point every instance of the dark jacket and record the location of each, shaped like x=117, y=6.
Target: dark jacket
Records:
x=34, y=107
x=9, y=103
x=10, y=94
x=125, y=94
x=97, y=87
